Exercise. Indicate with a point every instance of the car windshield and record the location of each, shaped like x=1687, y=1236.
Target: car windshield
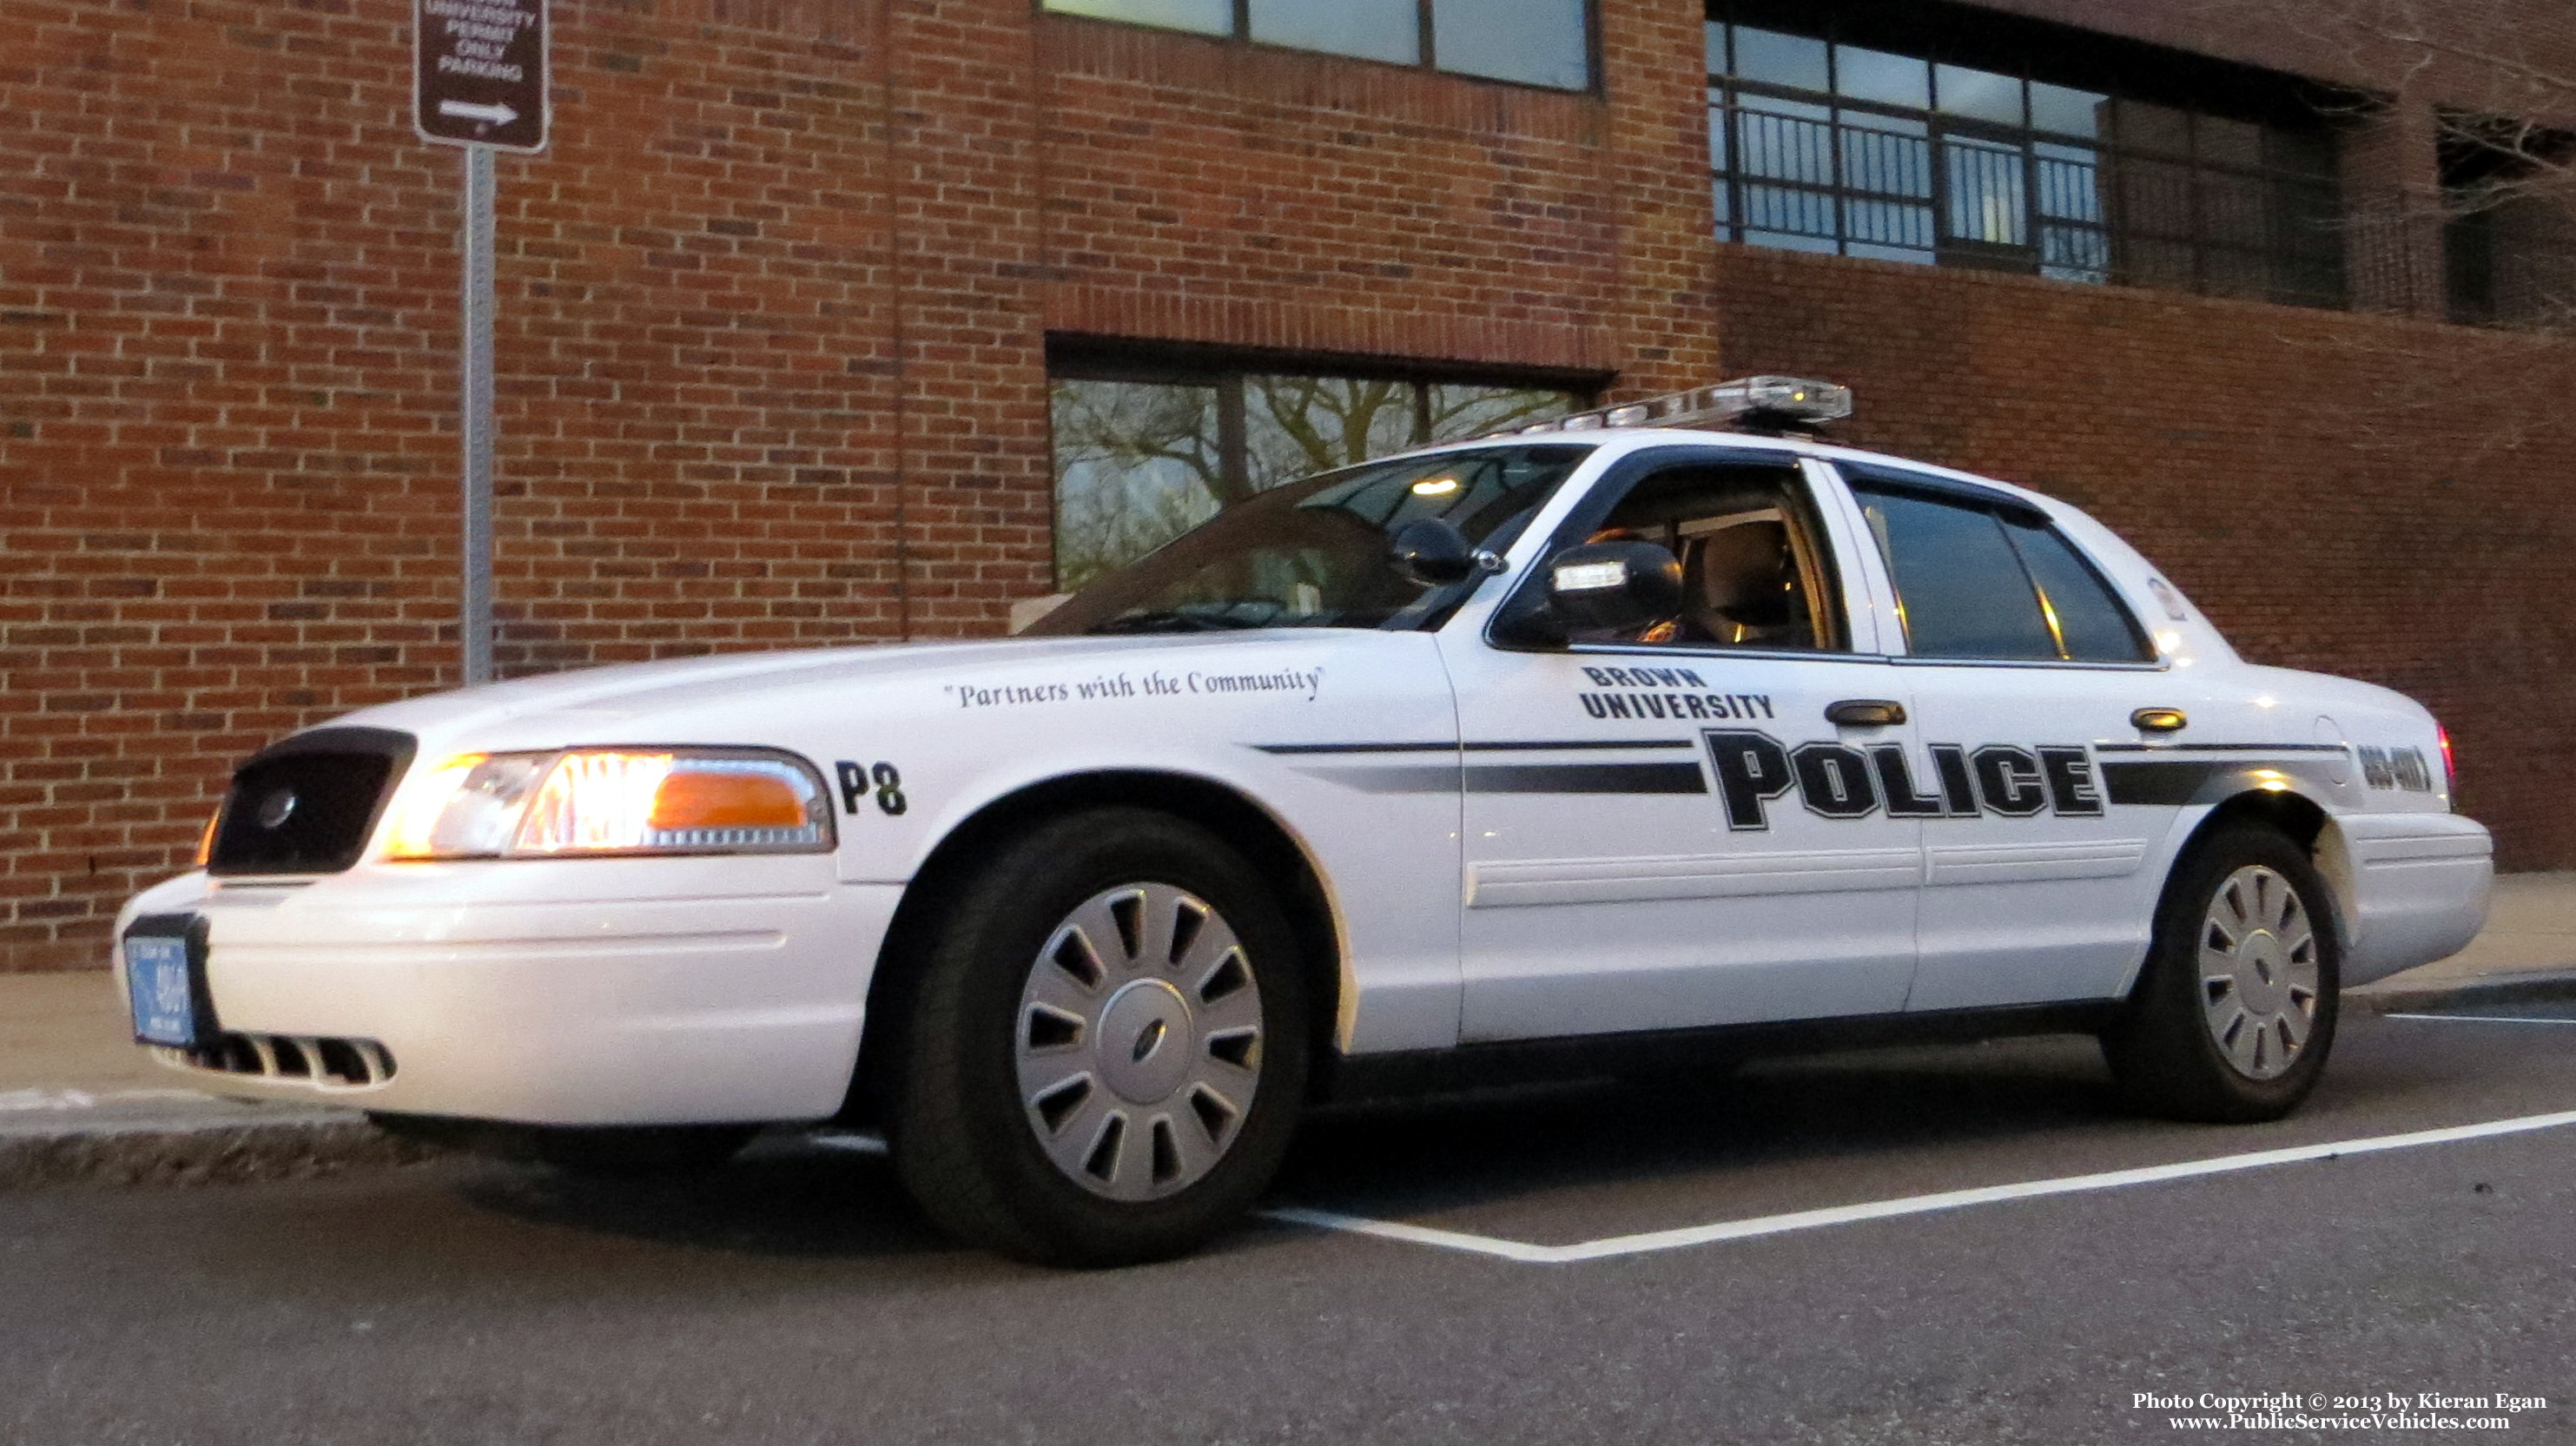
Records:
x=1314, y=554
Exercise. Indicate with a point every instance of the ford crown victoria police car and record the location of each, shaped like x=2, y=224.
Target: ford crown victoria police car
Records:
x=1652, y=737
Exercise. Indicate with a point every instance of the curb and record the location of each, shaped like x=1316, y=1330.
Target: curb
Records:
x=227, y=1149
x=2552, y=987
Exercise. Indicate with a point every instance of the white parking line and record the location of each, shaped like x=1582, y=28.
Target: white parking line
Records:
x=2479, y=1018
x=1909, y=1205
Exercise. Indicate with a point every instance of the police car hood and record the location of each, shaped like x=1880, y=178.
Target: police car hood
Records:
x=723, y=698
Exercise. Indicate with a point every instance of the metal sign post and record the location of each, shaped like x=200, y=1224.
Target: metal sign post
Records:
x=479, y=299
x=479, y=81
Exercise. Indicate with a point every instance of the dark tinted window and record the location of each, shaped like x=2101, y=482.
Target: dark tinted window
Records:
x=1959, y=585
x=2090, y=621
x=1977, y=580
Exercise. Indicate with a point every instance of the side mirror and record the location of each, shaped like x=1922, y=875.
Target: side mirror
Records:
x=1432, y=552
x=1614, y=587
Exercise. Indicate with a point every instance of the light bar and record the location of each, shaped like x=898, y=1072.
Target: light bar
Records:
x=1721, y=407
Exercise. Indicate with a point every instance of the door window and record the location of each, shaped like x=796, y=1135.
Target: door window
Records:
x=1979, y=581
x=1754, y=572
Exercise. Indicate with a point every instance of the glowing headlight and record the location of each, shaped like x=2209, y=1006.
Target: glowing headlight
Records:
x=612, y=801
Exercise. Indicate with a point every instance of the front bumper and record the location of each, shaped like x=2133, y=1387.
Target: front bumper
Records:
x=567, y=992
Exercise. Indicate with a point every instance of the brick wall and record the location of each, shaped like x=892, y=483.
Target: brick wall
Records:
x=227, y=389
x=2372, y=496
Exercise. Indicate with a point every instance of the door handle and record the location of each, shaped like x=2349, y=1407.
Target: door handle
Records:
x=1865, y=713
x=2158, y=720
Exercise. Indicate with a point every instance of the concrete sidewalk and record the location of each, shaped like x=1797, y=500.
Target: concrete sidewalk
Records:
x=78, y=1100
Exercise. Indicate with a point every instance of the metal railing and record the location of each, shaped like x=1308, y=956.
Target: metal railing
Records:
x=1914, y=186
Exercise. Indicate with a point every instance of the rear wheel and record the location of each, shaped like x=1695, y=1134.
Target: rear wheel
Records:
x=2235, y=1011
x=1106, y=1047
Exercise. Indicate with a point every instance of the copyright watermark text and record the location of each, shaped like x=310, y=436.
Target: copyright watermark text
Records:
x=2338, y=1411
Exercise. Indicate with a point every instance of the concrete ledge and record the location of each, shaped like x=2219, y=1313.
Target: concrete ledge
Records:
x=215, y=1145
x=2551, y=987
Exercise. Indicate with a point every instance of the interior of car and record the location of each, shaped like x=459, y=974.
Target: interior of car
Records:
x=1751, y=566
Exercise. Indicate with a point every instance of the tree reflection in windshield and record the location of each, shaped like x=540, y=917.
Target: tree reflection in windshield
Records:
x=1313, y=554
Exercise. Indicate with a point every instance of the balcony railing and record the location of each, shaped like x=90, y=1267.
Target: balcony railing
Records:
x=1912, y=186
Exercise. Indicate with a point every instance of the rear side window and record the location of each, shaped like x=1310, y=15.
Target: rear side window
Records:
x=1974, y=581
x=2091, y=625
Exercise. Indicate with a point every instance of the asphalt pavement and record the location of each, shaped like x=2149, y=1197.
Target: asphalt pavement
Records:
x=2406, y=1234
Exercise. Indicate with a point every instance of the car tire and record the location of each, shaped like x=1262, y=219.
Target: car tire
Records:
x=1104, y=1045
x=2235, y=1010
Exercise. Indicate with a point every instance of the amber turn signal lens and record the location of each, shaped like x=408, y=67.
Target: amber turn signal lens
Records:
x=206, y=840
x=690, y=800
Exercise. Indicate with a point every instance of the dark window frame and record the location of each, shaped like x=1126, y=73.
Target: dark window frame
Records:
x=1241, y=34
x=2300, y=259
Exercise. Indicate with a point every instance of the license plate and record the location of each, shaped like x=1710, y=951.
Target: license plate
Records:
x=161, y=982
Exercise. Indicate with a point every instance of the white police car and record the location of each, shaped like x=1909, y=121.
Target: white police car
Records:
x=1616, y=740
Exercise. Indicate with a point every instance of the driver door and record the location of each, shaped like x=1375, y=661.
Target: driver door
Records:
x=1666, y=831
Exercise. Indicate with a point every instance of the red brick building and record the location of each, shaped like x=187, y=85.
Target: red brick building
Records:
x=818, y=313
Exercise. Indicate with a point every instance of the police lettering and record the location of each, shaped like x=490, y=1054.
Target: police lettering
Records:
x=1833, y=780
x=1896, y=783
x=1838, y=781
x=2070, y=782
x=1752, y=769
x=2008, y=780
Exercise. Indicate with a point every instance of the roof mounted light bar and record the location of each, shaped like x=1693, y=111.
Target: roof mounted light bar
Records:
x=1747, y=404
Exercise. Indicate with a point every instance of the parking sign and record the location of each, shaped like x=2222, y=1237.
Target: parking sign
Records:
x=479, y=72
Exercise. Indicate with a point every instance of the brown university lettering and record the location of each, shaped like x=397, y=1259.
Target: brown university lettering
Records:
x=1668, y=693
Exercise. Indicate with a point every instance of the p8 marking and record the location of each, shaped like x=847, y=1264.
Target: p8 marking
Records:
x=1839, y=781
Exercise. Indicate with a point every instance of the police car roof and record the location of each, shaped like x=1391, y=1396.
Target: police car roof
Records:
x=1619, y=441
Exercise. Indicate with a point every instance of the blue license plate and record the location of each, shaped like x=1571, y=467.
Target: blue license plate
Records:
x=157, y=978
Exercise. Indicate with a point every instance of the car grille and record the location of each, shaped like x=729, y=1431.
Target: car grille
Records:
x=307, y=804
x=327, y=1064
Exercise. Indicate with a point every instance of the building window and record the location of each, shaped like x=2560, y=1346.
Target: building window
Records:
x=1823, y=145
x=1533, y=42
x=1143, y=455
x=2509, y=232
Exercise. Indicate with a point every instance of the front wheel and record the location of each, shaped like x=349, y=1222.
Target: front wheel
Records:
x=2235, y=1010
x=1104, y=1055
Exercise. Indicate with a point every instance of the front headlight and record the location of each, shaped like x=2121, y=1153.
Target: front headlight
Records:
x=613, y=801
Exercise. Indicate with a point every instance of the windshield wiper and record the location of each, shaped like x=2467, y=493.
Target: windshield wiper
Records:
x=1176, y=620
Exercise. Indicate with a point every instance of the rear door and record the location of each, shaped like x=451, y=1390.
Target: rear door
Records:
x=2022, y=665
x=1665, y=831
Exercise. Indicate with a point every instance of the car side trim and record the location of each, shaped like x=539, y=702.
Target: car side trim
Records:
x=1522, y=882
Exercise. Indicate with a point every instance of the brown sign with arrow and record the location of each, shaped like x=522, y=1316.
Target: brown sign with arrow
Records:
x=479, y=72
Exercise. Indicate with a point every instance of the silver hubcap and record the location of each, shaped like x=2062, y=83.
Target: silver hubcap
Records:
x=2258, y=972
x=1139, y=1042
